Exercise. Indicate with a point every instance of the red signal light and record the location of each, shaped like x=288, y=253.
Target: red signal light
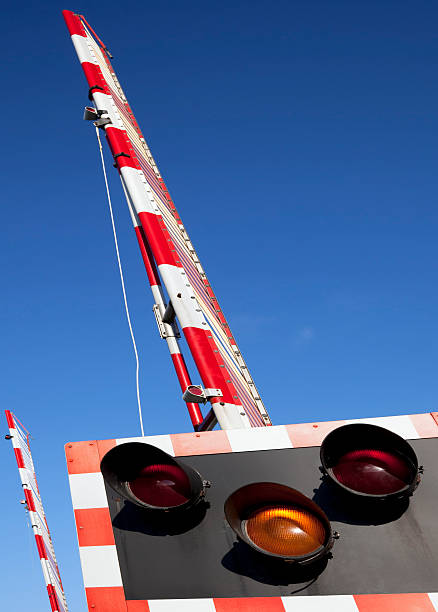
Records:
x=370, y=461
x=280, y=522
x=374, y=472
x=161, y=485
x=150, y=478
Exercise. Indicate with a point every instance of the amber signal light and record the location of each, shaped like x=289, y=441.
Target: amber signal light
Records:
x=279, y=521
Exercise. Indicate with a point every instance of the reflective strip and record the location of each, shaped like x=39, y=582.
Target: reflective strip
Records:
x=181, y=605
x=100, y=566
x=259, y=438
x=318, y=603
x=162, y=442
x=401, y=425
x=88, y=491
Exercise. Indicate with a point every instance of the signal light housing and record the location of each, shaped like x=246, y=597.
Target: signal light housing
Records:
x=280, y=522
x=370, y=461
x=150, y=478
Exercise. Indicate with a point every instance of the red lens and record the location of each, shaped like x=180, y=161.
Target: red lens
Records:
x=162, y=486
x=375, y=472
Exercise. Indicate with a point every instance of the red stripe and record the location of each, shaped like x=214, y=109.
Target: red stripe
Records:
x=120, y=143
x=19, y=457
x=201, y=443
x=41, y=547
x=94, y=76
x=94, y=527
x=137, y=605
x=184, y=381
x=82, y=457
x=310, y=434
x=52, y=597
x=10, y=419
x=181, y=370
x=106, y=599
x=158, y=239
x=29, y=500
x=104, y=446
x=425, y=425
x=402, y=602
x=209, y=363
x=148, y=258
x=74, y=24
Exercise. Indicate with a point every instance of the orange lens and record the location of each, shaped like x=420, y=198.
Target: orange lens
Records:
x=286, y=531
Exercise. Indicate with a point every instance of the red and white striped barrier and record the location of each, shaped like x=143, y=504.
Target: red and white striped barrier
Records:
x=217, y=357
x=49, y=565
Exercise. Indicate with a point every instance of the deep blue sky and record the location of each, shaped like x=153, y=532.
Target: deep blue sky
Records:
x=298, y=140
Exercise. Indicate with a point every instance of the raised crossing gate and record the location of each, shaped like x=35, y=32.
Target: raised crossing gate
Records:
x=19, y=437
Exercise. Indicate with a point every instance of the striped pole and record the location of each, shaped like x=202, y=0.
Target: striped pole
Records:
x=37, y=518
x=228, y=409
x=170, y=337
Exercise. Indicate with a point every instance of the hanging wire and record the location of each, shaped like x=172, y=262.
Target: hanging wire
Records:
x=137, y=370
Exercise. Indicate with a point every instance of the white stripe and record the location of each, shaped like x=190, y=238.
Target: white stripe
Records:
x=186, y=306
x=259, y=438
x=82, y=49
x=134, y=218
x=15, y=438
x=106, y=102
x=25, y=476
x=100, y=566
x=434, y=599
x=172, y=342
x=181, y=605
x=401, y=425
x=316, y=603
x=162, y=442
x=231, y=416
x=137, y=188
x=88, y=491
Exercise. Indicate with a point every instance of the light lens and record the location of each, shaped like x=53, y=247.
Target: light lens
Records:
x=375, y=472
x=161, y=486
x=284, y=530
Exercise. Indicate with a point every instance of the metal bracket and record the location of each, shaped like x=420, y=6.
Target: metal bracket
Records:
x=161, y=327
x=101, y=122
x=90, y=91
x=213, y=393
x=159, y=320
x=169, y=314
x=122, y=154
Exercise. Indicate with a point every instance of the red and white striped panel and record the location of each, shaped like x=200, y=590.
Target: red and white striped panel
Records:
x=100, y=566
x=217, y=357
x=43, y=540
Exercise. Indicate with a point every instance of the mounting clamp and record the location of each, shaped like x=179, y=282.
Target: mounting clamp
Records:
x=199, y=395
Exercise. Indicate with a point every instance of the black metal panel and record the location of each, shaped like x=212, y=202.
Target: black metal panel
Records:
x=200, y=558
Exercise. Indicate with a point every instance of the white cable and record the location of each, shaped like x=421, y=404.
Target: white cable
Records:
x=122, y=282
